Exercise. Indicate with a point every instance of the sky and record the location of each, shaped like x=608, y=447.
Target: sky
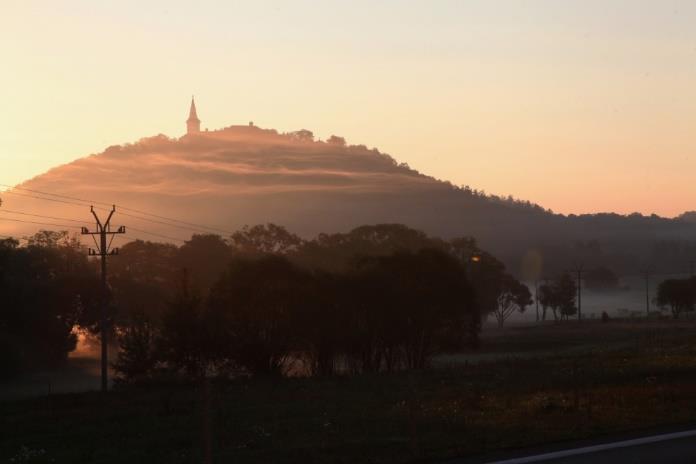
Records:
x=580, y=106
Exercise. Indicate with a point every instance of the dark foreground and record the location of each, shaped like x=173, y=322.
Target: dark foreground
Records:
x=677, y=451
x=669, y=445
x=472, y=409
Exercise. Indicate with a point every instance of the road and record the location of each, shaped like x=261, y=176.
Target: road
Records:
x=667, y=448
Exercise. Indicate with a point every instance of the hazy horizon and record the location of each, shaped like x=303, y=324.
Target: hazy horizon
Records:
x=591, y=101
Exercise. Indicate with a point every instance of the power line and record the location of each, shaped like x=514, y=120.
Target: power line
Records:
x=52, y=194
x=199, y=226
x=41, y=216
x=7, y=192
x=38, y=223
x=160, y=222
x=83, y=202
x=101, y=209
x=141, y=238
x=194, y=229
x=156, y=235
x=76, y=227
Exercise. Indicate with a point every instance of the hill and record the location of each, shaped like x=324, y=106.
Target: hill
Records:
x=246, y=175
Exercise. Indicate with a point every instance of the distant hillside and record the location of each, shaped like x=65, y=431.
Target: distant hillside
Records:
x=689, y=216
x=246, y=175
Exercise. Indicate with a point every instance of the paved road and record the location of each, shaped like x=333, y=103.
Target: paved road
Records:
x=676, y=447
x=677, y=451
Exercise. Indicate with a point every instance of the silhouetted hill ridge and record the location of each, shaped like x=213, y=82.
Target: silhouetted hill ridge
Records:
x=246, y=175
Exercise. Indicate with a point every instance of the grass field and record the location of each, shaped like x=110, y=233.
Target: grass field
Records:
x=528, y=386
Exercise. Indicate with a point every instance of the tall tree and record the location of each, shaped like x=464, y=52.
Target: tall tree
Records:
x=256, y=301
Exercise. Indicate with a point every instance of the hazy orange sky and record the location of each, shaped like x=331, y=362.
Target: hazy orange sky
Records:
x=581, y=106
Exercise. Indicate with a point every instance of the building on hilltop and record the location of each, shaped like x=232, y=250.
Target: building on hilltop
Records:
x=193, y=124
x=193, y=127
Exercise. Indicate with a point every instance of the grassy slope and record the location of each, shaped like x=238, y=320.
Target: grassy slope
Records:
x=646, y=378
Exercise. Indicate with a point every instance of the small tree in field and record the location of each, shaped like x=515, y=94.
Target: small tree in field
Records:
x=512, y=296
x=545, y=297
x=677, y=294
x=559, y=295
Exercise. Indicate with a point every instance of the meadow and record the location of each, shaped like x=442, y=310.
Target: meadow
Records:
x=526, y=386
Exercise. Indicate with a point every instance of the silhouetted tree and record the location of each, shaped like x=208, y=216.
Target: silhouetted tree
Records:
x=205, y=257
x=47, y=288
x=404, y=305
x=512, y=296
x=189, y=342
x=322, y=322
x=545, y=297
x=496, y=291
x=336, y=140
x=256, y=301
x=138, y=358
x=559, y=295
x=564, y=291
x=338, y=252
x=677, y=294
x=143, y=278
x=265, y=239
x=303, y=135
x=485, y=273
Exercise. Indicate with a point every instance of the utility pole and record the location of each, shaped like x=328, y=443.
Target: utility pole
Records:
x=103, y=249
x=647, y=273
x=536, y=297
x=579, y=270
x=546, y=287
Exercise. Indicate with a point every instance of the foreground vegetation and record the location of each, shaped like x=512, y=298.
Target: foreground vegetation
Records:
x=382, y=297
x=627, y=376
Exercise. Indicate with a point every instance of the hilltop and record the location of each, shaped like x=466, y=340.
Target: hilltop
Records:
x=247, y=175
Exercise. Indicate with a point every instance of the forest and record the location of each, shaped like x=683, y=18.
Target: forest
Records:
x=266, y=302
x=260, y=302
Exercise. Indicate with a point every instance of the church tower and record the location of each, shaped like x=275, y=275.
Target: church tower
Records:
x=193, y=124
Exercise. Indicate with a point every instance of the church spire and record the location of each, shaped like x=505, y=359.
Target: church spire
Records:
x=193, y=124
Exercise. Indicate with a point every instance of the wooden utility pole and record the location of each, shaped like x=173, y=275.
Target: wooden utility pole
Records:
x=647, y=273
x=579, y=270
x=103, y=249
x=546, y=287
x=536, y=297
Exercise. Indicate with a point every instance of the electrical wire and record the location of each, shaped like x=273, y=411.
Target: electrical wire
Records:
x=39, y=223
x=2, y=210
x=7, y=192
x=156, y=234
x=73, y=200
x=52, y=194
x=76, y=227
